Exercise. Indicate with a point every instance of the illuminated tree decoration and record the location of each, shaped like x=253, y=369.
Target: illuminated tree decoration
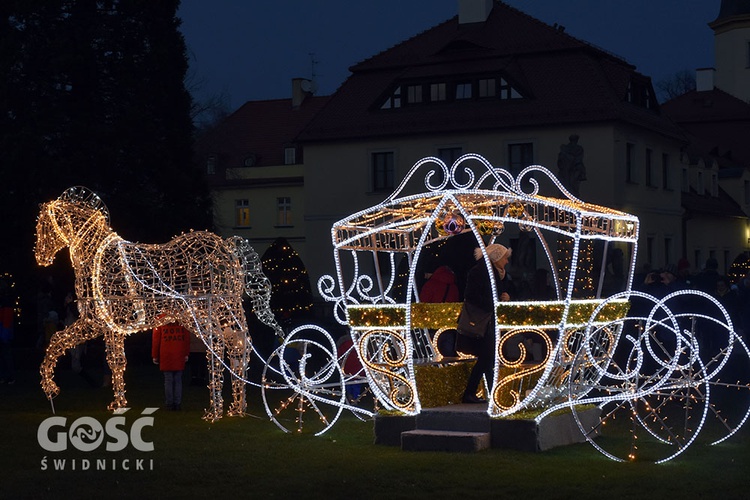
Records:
x=196, y=279
x=291, y=295
x=584, y=349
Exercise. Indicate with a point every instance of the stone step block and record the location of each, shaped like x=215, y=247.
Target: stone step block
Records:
x=451, y=441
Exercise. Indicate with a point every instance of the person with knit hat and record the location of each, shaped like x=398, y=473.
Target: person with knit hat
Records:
x=479, y=293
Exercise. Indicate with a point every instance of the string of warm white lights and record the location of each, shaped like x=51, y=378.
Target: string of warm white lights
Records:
x=580, y=333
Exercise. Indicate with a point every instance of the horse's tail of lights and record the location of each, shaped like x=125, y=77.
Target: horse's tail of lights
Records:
x=257, y=285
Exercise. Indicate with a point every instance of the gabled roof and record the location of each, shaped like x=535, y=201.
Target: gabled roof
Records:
x=259, y=128
x=563, y=80
x=722, y=205
x=718, y=125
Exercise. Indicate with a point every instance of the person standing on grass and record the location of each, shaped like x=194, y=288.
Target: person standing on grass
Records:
x=170, y=348
x=7, y=320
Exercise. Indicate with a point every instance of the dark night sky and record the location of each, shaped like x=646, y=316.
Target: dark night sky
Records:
x=250, y=50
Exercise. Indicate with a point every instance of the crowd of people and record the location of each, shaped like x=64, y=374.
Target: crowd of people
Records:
x=734, y=296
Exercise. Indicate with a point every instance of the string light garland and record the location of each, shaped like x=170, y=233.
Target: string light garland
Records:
x=578, y=334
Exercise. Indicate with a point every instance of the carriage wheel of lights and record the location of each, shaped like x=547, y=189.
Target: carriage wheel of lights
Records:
x=303, y=385
x=655, y=393
x=596, y=353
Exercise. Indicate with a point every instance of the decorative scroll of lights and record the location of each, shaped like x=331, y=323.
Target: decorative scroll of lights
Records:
x=581, y=338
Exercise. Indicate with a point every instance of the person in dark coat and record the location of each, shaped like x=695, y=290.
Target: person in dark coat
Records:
x=440, y=287
x=479, y=293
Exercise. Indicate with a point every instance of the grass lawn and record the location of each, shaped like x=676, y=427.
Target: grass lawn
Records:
x=251, y=458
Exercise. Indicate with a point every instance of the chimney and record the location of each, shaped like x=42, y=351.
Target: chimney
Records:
x=474, y=11
x=704, y=79
x=301, y=88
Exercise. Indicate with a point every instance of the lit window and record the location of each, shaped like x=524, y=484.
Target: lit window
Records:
x=382, y=171
x=242, y=213
x=284, y=211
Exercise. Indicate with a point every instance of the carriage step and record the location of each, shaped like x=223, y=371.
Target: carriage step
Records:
x=459, y=418
x=440, y=440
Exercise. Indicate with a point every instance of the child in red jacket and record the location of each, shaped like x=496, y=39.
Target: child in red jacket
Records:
x=170, y=348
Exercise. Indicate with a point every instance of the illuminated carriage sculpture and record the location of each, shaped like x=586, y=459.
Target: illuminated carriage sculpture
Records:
x=644, y=364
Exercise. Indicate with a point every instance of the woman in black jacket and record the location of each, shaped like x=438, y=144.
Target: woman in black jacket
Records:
x=479, y=293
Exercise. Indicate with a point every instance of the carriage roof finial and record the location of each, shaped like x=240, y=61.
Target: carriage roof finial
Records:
x=85, y=196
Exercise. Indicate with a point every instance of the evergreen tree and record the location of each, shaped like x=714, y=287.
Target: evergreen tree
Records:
x=291, y=296
x=94, y=95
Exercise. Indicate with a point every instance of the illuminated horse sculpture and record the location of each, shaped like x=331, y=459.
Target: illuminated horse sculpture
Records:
x=196, y=279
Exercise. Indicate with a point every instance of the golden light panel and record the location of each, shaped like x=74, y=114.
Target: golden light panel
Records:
x=197, y=279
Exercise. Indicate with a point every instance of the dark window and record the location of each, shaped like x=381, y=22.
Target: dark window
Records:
x=666, y=180
x=507, y=91
x=487, y=87
x=463, y=90
x=630, y=168
x=382, y=171
x=414, y=94
x=438, y=92
x=649, y=168
x=394, y=100
x=520, y=156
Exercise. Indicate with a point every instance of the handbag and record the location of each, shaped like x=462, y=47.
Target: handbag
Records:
x=473, y=321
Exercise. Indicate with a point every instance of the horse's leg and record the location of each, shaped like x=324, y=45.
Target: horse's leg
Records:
x=238, y=351
x=60, y=342
x=115, y=346
x=215, y=374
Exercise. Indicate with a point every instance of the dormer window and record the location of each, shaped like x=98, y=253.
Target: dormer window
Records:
x=468, y=89
x=394, y=100
x=641, y=94
x=438, y=92
x=507, y=91
x=463, y=90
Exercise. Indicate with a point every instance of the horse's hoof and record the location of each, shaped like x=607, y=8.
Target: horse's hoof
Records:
x=236, y=413
x=51, y=390
x=211, y=416
x=116, y=405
